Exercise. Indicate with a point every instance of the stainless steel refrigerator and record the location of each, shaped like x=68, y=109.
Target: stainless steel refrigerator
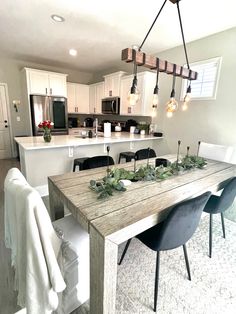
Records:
x=51, y=108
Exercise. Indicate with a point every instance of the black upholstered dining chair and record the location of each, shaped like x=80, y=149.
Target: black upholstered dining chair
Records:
x=145, y=153
x=173, y=232
x=97, y=161
x=218, y=205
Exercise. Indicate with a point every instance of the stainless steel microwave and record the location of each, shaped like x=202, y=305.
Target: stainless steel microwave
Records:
x=111, y=105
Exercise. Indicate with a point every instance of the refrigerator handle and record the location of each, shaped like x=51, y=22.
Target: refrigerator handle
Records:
x=50, y=109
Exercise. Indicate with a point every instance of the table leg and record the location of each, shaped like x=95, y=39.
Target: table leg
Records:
x=103, y=274
x=56, y=206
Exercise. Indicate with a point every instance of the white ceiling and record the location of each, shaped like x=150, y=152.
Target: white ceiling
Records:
x=100, y=29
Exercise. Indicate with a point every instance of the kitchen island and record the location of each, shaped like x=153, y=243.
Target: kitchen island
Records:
x=39, y=159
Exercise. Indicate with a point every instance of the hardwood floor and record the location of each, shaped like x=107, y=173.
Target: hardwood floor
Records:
x=7, y=294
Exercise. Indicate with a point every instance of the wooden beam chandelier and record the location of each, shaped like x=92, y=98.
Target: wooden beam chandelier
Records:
x=139, y=58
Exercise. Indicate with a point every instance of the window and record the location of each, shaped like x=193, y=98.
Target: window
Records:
x=206, y=84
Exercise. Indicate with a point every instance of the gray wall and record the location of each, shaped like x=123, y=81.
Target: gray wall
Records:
x=211, y=121
x=10, y=73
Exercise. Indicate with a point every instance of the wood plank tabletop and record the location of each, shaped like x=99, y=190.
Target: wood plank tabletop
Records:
x=144, y=203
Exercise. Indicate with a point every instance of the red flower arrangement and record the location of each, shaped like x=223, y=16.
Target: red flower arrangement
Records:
x=46, y=125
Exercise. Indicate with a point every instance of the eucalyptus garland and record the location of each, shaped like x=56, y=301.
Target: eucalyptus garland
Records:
x=111, y=182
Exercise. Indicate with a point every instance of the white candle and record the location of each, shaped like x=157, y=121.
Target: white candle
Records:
x=107, y=129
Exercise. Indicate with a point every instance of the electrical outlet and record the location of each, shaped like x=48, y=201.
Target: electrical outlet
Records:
x=105, y=147
x=71, y=151
x=18, y=119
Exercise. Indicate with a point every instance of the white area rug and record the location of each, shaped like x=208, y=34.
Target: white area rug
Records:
x=213, y=286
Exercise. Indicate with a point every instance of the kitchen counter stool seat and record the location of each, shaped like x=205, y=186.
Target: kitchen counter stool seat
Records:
x=128, y=156
x=79, y=162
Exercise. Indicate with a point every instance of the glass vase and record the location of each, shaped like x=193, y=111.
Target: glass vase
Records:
x=47, y=135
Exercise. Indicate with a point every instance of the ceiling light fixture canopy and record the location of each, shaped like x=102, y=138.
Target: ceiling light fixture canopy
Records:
x=140, y=58
x=57, y=18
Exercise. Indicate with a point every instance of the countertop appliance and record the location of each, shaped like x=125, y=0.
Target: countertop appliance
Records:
x=130, y=123
x=111, y=105
x=88, y=122
x=51, y=108
x=73, y=122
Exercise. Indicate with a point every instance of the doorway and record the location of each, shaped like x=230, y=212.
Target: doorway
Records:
x=5, y=130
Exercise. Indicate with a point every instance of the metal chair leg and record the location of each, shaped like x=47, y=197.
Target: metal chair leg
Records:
x=156, y=280
x=210, y=235
x=223, y=224
x=125, y=250
x=186, y=261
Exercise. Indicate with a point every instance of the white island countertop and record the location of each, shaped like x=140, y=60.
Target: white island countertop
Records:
x=37, y=142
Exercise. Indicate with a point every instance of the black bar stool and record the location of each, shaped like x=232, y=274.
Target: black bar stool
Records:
x=128, y=156
x=79, y=162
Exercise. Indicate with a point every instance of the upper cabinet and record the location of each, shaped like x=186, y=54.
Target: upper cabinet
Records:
x=77, y=98
x=46, y=83
x=112, y=84
x=146, y=84
x=96, y=93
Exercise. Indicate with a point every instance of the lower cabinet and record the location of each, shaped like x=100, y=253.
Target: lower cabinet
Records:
x=96, y=93
x=146, y=84
x=77, y=98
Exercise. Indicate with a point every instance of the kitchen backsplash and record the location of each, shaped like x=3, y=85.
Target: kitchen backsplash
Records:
x=118, y=118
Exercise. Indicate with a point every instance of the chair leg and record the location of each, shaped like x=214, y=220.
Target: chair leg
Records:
x=156, y=280
x=124, y=252
x=186, y=261
x=210, y=235
x=223, y=224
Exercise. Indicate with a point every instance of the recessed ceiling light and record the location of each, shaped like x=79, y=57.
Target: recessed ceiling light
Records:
x=73, y=52
x=57, y=18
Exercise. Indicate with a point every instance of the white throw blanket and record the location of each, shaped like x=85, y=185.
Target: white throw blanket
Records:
x=38, y=276
x=10, y=204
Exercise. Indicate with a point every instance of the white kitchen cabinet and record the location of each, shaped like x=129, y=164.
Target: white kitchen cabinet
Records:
x=46, y=83
x=77, y=98
x=112, y=84
x=146, y=84
x=96, y=93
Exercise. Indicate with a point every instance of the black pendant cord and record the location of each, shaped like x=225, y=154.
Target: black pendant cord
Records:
x=173, y=83
x=182, y=33
x=135, y=81
x=157, y=77
x=140, y=47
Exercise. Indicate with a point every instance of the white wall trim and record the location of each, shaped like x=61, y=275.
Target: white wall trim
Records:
x=9, y=116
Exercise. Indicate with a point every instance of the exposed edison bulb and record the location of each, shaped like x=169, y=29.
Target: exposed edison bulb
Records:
x=133, y=98
x=172, y=105
x=155, y=100
x=154, y=111
x=187, y=97
x=169, y=114
x=185, y=106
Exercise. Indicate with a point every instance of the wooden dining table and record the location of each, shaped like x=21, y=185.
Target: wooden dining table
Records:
x=120, y=217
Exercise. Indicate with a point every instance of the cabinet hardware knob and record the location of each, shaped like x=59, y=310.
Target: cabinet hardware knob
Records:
x=5, y=121
x=6, y=126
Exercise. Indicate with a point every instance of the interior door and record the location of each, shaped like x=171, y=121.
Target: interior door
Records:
x=5, y=139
